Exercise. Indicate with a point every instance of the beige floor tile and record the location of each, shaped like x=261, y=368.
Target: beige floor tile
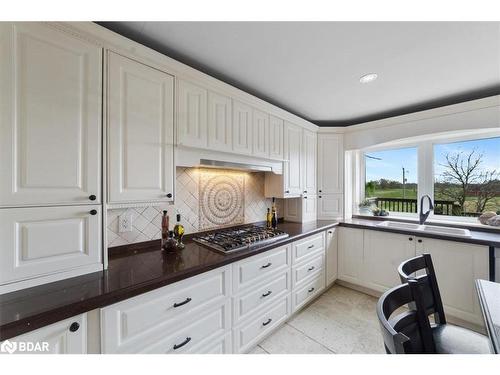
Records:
x=288, y=340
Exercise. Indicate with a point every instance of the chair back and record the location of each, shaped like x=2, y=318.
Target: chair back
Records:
x=428, y=287
x=408, y=332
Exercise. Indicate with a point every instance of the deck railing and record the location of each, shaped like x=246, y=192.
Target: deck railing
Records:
x=441, y=207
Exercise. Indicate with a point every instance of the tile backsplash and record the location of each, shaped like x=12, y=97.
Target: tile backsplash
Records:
x=205, y=198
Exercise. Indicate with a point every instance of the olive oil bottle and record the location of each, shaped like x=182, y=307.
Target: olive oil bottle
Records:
x=269, y=218
x=179, y=232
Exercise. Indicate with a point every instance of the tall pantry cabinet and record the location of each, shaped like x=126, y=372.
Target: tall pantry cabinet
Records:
x=50, y=147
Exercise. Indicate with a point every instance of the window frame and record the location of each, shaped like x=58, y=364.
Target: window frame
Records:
x=425, y=169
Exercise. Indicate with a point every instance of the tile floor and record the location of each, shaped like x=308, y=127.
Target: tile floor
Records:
x=341, y=321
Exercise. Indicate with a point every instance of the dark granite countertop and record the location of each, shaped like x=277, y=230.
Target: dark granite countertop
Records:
x=131, y=271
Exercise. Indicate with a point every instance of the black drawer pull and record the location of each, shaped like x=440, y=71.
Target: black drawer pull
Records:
x=268, y=321
x=187, y=300
x=330, y=232
x=267, y=293
x=74, y=327
x=266, y=265
x=310, y=268
x=169, y=195
x=177, y=346
x=310, y=290
x=93, y=212
x=411, y=239
x=419, y=241
x=310, y=246
x=92, y=197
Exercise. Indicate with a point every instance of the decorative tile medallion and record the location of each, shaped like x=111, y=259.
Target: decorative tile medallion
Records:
x=222, y=199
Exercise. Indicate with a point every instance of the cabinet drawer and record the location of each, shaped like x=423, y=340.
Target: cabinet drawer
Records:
x=251, y=332
x=270, y=290
x=132, y=321
x=254, y=269
x=308, y=269
x=310, y=290
x=307, y=246
x=47, y=240
x=219, y=345
x=192, y=335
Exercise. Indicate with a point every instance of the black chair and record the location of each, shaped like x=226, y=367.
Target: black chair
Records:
x=446, y=338
x=407, y=332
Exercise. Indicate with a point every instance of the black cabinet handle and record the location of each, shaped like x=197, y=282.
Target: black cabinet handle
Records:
x=330, y=232
x=310, y=268
x=93, y=212
x=419, y=241
x=268, y=321
x=169, y=195
x=310, y=246
x=305, y=191
x=74, y=327
x=305, y=197
x=319, y=191
x=266, y=265
x=319, y=196
x=310, y=290
x=410, y=238
x=267, y=293
x=92, y=197
x=287, y=191
x=177, y=346
x=187, y=300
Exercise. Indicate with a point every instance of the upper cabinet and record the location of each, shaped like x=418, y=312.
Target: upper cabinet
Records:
x=242, y=128
x=50, y=121
x=276, y=150
x=293, y=156
x=140, y=131
x=192, y=115
x=330, y=164
x=260, y=133
x=309, y=156
x=220, y=122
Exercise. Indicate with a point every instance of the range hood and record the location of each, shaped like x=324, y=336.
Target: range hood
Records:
x=191, y=157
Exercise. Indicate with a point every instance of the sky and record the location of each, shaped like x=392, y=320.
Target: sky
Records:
x=390, y=167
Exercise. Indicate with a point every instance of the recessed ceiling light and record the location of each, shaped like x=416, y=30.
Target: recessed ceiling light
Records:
x=367, y=78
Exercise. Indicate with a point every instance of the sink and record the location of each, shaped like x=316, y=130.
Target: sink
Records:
x=398, y=225
x=447, y=231
x=434, y=229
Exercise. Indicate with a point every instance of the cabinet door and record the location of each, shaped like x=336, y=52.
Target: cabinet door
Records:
x=309, y=208
x=457, y=266
x=350, y=266
x=242, y=128
x=330, y=164
x=65, y=337
x=45, y=240
x=50, y=121
x=140, y=136
x=192, y=115
x=331, y=255
x=293, y=154
x=309, y=155
x=220, y=122
x=276, y=138
x=260, y=134
x=383, y=254
x=330, y=206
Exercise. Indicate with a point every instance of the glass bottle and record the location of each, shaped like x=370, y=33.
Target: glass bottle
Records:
x=179, y=232
x=170, y=244
x=164, y=227
x=269, y=218
x=274, y=215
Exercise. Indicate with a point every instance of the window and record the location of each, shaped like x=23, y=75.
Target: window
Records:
x=391, y=180
x=467, y=177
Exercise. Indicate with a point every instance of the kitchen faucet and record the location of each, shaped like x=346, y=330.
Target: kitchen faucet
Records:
x=424, y=216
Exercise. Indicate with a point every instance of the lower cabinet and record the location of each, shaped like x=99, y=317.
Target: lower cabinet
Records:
x=68, y=336
x=351, y=254
x=331, y=254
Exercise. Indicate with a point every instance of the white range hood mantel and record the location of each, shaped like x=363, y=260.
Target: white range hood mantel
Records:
x=193, y=157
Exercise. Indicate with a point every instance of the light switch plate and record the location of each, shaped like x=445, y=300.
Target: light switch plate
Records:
x=125, y=222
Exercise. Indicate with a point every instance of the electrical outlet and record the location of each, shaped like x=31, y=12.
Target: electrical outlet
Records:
x=125, y=222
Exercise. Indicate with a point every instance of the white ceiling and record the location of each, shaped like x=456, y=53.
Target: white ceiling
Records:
x=313, y=68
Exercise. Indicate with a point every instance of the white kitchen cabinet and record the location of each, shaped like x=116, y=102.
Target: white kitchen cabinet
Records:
x=305, y=248
x=220, y=122
x=309, y=208
x=331, y=255
x=457, y=266
x=276, y=126
x=140, y=132
x=68, y=336
x=306, y=293
x=192, y=128
x=41, y=241
x=260, y=134
x=383, y=254
x=350, y=260
x=293, y=154
x=242, y=128
x=309, y=161
x=50, y=119
x=330, y=164
x=330, y=206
